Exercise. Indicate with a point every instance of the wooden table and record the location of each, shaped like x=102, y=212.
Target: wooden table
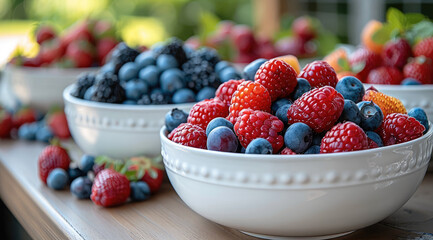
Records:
x=49, y=214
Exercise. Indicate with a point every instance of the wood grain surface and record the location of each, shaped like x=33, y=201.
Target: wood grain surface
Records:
x=48, y=214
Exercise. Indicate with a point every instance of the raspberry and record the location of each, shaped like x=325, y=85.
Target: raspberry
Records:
x=203, y=112
x=319, y=108
x=386, y=103
x=396, y=53
x=249, y=95
x=366, y=58
x=400, y=128
x=421, y=69
x=287, y=151
x=252, y=124
x=278, y=77
x=424, y=48
x=372, y=144
x=385, y=75
x=190, y=135
x=225, y=91
x=344, y=137
x=319, y=74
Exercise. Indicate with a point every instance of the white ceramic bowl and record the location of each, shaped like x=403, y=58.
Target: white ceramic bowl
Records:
x=283, y=197
x=40, y=87
x=116, y=130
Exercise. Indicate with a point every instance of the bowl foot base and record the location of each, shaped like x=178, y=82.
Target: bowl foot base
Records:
x=293, y=238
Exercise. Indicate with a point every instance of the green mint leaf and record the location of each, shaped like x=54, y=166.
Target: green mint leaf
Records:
x=383, y=35
x=413, y=18
x=420, y=31
x=396, y=19
x=140, y=173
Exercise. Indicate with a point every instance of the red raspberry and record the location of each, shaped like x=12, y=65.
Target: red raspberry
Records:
x=249, y=95
x=190, y=135
x=252, y=124
x=50, y=158
x=421, y=69
x=319, y=74
x=344, y=137
x=225, y=91
x=318, y=108
x=203, y=112
x=399, y=128
x=396, y=53
x=366, y=58
x=278, y=77
x=385, y=75
x=110, y=188
x=424, y=48
x=372, y=144
x=287, y=151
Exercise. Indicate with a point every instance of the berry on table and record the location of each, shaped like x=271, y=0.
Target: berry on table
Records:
x=351, y=88
x=44, y=134
x=57, y=179
x=298, y=137
x=371, y=115
x=400, y=128
x=259, y=146
x=140, y=191
x=420, y=115
x=344, y=137
x=28, y=131
x=203, y=112
x=110, y=188
x=222, y=139
x=190, y=135
x=218, y=122
x=174, y=118
x=52, y=157
x=74, y=172
x=87, y=162
x=81, y=187
x=6, y=123
x=319, y=74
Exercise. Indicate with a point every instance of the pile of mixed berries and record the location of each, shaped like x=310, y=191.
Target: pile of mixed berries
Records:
x=168, y=73
x=281, y=112
x=107, y=182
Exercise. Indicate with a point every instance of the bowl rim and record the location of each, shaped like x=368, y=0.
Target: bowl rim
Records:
x=423, y=87
x=116, y=106
x=294, y=158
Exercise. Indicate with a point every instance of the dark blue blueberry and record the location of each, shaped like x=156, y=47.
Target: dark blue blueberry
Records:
x=157, y=47
x=165, y=61
x=134, y=89
x=57, y=179
x=87, y=162
x=317, y=138
x=375, y=137
x=221, y=65
x=171, y=80
x=145, y=59
x=410, y=81
x=89, y=93
x=420, y=115
x=184, y=95
x=81, y=187
x=350, y=112
x=128, y=71
x=74, y=173
x=222, y=139
x=44, y=134
x=205, y=93
x=174, y=118
x=351, y=88
x=371, y=115
x=259, y=146
x=251, y=69
x=229, y=73
x=314, y=149
x=218, y=122
x=140, y=191
x=302, y=87
x=28, y=131
x=129, y=102
x=150, y=75
x=282, y=113
x=298, y=137
x=109, y=67
x=188, y=51
x=279, y=103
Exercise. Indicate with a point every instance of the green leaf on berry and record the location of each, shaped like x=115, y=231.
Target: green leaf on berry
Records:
x=396, y=19
x=382, y=35
x=413, y=18
x=419, y=31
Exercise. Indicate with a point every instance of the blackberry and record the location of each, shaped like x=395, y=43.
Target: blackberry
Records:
x=175, y=48
x=108, y=89
x=207, y=54
x=159, y=98
x=144, y=100
x=85, y=81
x=122, y=54
x=200, y=73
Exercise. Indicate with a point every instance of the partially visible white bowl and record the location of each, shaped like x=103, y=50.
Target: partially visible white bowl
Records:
x=281, y=196
x=116, y=130
x=40, y=87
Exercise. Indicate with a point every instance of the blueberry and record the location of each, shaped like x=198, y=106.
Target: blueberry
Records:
x=314, y=149
x=128, y=71
x=140, y=191
x=145, y=59
x=279, y=103
x=410, y=81
x=222, y=139
x=282, y=113
x=57, y=179
x=135, y=88
x=229, y=73
x=171, y=80
x=371, y=115
x=317, y=138
x=74, y=173
x=174, y=118
x=44, y=134
x=129, y=102
x=221, y=65
x=157, y=47
x=165, y=61
x=421, y=116
x=188, y=51
x=89, y=93
x=298, y=137
x=184, y=95
x=350, y=112
x=259, y=146
x=28, y=131
x=251, y=69
x=375, y=137
x=87, y=162
x=302, y=87
x=218, y=122
x=81, y=187
x=109, y=67
x=351, y=88
x=205, y=93
x=150, y=75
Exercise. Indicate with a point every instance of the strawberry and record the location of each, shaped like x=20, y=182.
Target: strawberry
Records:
x=319, y=74
x=396, y=53
x=287, y=151
x=80, y=53
x=386, y=103
x=24, y=115
x=278, y=77
x=319, y=108
x=399, y=128
x=385, y=75
x=203, y=112
x=304, y=28
x=151, y=171
x=344, y=137
x=252, y=124
x=104, y=47
x=58, y=124
x=6, y=123
x=78, y=31
x=53, y=156
x=243, y=38
x=225, y=90
x=44, y=33
x=363, y=61
x=153, y=177
x=50, y=51
x=421, y=69
x=424, y=48
x=188, y=134
x=110, y=188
